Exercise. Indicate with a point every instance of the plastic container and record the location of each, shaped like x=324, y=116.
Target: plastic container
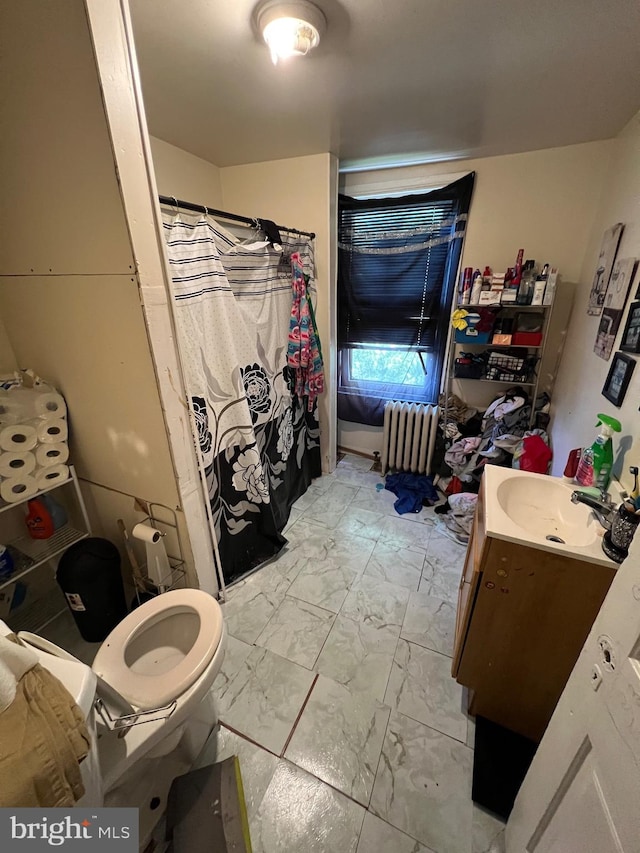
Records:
x=469, y=336
x=6, y=562
x=39, y=522
x=89, y=576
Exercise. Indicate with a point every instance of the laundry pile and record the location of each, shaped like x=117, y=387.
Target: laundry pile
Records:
x=503, y=437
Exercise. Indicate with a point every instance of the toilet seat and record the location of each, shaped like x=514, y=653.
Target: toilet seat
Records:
x=158, y=651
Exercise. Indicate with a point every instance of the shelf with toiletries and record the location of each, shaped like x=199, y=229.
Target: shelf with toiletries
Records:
x=28, y=553
x=507, y=330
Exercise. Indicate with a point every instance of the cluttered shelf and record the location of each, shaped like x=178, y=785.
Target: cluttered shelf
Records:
x=27, y=553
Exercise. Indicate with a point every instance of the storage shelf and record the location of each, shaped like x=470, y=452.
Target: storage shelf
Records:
x=5, y=506
x=495, y=381
x=508, y=305
x=500, y=346
x=30, y=553
x=38, y=551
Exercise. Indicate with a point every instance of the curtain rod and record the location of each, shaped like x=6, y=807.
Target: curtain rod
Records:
x=171, y=201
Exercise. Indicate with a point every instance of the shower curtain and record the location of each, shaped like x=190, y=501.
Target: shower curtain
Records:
x=259, y=442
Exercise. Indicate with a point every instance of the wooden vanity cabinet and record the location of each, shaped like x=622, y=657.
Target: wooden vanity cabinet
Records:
x=523, y=616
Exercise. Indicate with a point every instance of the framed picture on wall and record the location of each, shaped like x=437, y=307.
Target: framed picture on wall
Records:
x=631, y=336
x=613, y=309
x=618, y=378
x=604, y=265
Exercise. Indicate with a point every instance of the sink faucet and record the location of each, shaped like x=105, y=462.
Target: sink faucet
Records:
x=602, y=509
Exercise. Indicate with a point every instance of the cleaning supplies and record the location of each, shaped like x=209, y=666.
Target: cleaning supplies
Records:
x=596, y=461
x=38, y=520
x=571, y=467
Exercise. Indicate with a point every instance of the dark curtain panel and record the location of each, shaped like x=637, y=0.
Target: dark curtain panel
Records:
x=397, y=266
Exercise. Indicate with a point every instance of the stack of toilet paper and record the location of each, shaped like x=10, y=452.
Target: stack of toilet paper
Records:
x=33, y=440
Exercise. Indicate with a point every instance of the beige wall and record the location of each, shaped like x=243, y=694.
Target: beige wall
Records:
x=578, y=397
x=8, y=361
x=184, y=175
x=543, y=201
x=299, y=192
x=69, y=292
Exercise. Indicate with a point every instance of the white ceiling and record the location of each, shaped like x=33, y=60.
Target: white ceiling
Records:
x=392, y=80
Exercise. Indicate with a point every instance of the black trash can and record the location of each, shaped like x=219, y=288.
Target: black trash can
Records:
x=89, y=576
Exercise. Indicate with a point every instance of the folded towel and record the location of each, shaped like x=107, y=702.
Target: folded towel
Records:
x=15, y=660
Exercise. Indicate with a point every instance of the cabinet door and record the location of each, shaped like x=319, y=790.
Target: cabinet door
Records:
x=469, y=582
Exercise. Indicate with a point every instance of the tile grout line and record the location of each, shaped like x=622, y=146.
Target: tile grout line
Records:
x=247, y=738
x=300, y=712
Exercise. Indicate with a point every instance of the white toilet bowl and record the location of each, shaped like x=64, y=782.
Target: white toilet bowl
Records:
x=164, y=655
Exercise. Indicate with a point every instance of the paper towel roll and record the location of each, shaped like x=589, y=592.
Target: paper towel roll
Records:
x=16, y=438
x=47, y=455
x=50, y=405
x=146, y=533
x=17, y=464
x=15, y=489
x=52, y=431
x=46, y=477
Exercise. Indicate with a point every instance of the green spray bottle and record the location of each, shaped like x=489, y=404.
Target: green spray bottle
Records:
x=596, y=461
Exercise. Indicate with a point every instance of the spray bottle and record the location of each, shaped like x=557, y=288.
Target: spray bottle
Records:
x=596, y=461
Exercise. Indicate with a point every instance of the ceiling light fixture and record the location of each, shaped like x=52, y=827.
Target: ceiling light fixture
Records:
x=290, y=29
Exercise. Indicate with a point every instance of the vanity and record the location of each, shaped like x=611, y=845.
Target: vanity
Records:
x=533, y=581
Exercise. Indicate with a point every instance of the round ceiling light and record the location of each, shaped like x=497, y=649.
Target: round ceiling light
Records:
x=290, y=29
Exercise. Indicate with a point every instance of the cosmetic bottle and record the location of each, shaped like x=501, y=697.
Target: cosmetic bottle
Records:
x=525, y=291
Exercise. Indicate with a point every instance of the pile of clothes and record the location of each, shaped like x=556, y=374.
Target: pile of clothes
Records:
x=501, y=437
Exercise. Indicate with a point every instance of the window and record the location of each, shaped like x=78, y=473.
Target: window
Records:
x=398, y=260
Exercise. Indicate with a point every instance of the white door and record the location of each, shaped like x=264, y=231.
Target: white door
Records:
x=582, y=791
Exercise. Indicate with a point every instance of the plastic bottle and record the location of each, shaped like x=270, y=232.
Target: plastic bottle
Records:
x=476, y=288
x=525, y=291
x=58, y=513
x=6, y=562
x=603, y=451
x=596, y=461
x=39, y=521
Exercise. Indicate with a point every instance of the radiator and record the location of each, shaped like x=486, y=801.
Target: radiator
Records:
x=409, y=437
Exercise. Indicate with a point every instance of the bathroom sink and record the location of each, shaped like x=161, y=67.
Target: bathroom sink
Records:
x=543, y=507
x=535, y=510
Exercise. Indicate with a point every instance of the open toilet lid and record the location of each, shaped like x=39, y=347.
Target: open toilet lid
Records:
x=137, y=682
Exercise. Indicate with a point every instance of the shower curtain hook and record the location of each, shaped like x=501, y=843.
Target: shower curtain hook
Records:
x=175, y=201
x=206, y=210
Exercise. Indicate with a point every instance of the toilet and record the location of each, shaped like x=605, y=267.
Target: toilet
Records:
x=156, y=667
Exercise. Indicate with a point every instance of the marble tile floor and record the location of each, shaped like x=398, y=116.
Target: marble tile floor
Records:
x=336, y=691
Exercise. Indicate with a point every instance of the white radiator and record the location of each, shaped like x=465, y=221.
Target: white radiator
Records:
x=409, y=437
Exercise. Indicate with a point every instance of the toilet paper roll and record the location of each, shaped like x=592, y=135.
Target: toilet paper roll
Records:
x=47, y=455
x=17, y=464
x=15, y=489
x=11, y=412
x=50, y=405
x=52, y=431
x=16, y=438
x=146, y=533
x=46, y=477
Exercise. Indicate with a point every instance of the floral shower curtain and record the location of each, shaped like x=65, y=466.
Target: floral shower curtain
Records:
x=259, y=442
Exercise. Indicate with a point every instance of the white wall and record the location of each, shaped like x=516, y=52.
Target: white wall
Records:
x=300, y=193
x=184, y=175
x=69, y=288
x=543, y=201
x=578, y=395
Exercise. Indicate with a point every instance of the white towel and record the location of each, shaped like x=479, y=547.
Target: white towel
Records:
x=15, y=660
